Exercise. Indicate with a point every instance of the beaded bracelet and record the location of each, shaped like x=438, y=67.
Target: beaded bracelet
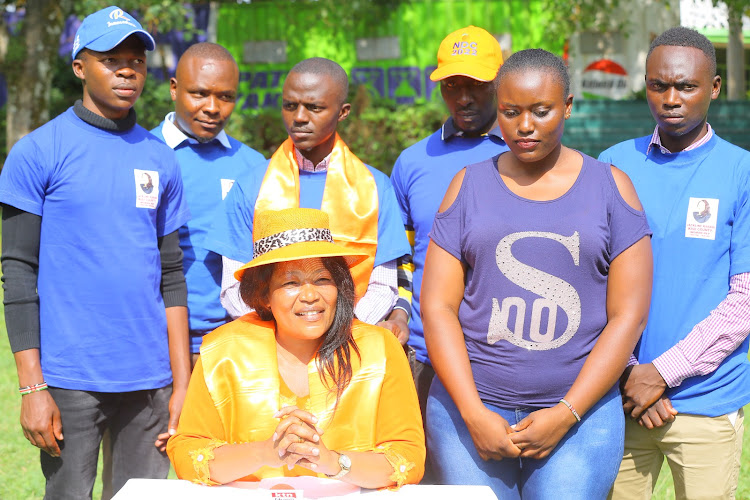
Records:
x=32, y=388
x=572, y=410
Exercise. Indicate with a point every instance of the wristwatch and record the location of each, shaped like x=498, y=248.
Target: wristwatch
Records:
x=346, y=465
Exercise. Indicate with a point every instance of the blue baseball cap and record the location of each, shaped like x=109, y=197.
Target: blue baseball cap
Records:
x=106, y=29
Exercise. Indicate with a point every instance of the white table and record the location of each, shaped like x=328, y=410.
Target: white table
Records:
x=167, y=489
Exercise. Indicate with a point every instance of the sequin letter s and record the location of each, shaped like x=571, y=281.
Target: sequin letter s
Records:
x=552, y=290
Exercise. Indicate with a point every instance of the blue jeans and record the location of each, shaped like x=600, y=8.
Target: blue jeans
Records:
x=583, y=465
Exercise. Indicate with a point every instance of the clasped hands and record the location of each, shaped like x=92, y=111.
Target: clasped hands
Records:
x=533, y=437
x=643, y=399
x=297, y=440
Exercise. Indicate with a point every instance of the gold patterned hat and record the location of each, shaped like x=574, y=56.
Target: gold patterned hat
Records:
x=294, y=234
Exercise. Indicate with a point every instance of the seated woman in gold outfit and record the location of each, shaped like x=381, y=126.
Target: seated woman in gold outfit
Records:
x=300, y=387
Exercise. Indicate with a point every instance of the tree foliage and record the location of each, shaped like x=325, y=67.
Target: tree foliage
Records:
x=566, y=17
x=27, y=62
x=736, y=83
x=737, y=5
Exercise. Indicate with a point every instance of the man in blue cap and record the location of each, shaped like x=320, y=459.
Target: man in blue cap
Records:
x=95, y=296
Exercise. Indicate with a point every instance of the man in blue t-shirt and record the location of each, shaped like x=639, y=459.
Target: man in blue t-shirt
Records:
x=689, y=377
x=423, y=171
x=204, y=90
x=315, y=169
x=95, y=297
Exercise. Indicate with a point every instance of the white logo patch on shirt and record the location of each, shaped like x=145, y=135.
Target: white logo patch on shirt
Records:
x=146, y=188
x=226, y=185
x=700, y=221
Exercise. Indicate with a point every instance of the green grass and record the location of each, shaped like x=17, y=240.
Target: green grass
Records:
x=21, y=476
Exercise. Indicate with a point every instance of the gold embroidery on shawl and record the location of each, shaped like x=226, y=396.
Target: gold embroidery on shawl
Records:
x=201, y=457
x=401, y=466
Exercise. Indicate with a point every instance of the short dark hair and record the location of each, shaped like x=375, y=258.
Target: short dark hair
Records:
x=208, y=50
x=334, y=355
x=323, y=66
x=680, y=36
x=536, y=59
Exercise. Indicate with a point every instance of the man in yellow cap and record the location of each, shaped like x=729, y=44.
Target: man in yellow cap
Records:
x=468, y=61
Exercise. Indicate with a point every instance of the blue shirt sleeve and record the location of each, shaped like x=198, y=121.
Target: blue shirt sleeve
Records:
x=400, y=190
x=173, y=208
x=231, y=234
x=392, y=242
x=25, y=177
x=739, y=246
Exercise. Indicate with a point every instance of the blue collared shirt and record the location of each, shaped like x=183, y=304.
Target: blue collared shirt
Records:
x=173, y=136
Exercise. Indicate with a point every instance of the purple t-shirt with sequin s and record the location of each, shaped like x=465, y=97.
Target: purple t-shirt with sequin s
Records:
x=536, y=278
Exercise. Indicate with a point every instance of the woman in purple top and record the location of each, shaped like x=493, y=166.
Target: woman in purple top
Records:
x=536, y=290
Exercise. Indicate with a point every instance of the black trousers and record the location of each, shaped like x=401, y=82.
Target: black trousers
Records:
x=134, y=419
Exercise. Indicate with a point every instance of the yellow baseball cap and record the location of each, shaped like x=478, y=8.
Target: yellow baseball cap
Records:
x=471, y=52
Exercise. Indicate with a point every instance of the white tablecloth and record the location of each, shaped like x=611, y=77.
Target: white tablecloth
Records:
x=167, y=489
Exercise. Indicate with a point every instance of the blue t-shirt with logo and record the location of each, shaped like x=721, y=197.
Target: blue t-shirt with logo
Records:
x=208, y=172
x=104, y=198
x=698, y=205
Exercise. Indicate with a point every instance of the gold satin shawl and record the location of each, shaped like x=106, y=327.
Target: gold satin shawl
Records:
x=242, y=375
x=350, y=198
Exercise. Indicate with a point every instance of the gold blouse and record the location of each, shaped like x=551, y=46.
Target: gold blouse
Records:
x=236, y=389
